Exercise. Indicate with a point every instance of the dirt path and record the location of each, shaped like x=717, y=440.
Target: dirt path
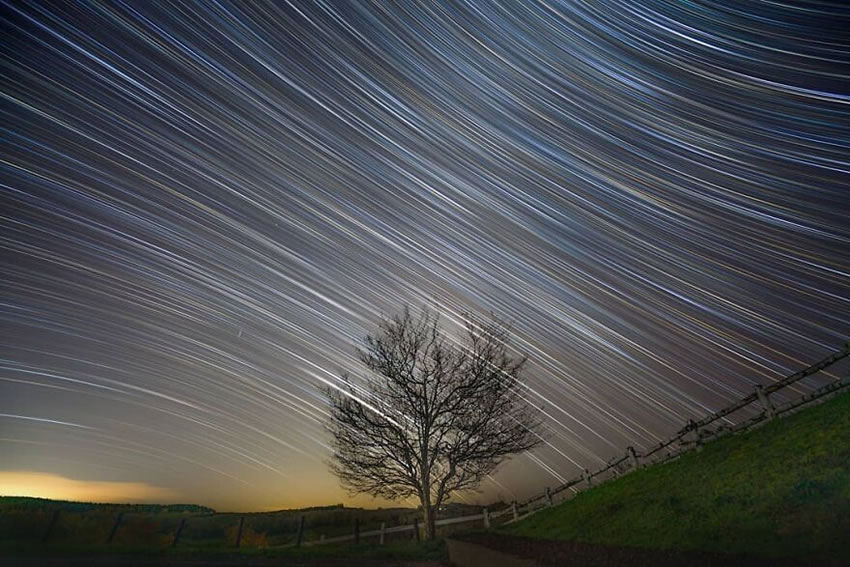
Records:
x=573, y=554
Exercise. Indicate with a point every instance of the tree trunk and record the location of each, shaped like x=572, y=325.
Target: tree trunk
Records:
x=425, y=496
x=430, y=520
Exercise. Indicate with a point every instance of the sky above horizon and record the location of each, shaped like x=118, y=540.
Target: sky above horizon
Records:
x=206, y=207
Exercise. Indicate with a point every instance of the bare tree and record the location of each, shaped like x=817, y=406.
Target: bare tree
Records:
x=433, y=416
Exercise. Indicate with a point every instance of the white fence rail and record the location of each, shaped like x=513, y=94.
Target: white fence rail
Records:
x=695, y=433
x=485, y=516
x=690, y=437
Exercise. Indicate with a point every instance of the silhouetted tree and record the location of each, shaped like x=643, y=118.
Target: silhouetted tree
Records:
x=434, y=416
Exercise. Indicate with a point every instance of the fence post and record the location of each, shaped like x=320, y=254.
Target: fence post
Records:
x=416, y=529
x=178, y=532
x=383, y=532
x=49, y=530
x=486, y=518
x=356, y=531
x=239, y=531
x=299, y=535
x=697, y=438
x=514, y=510
x=115, y=527
x=633, y=458
x=764, y=399
x=548, y=496
x=587, y=478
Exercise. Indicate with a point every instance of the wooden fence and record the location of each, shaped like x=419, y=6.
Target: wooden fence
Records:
x=690, y=437
x=121, y=529
x=695, y=433
x=487, y=518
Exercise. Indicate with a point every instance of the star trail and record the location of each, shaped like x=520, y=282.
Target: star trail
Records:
x=206, y=206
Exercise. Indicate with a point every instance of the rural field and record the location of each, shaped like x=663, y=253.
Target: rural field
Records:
x=425, y=283
x=779, y=494
x=86, y=534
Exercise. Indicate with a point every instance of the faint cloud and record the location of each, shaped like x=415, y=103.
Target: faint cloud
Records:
x=48, y=485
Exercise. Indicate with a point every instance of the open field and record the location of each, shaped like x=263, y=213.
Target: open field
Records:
x=27, y=522
x=782, y=490
x=33, y=523
x=776, y=494
x=80, y=535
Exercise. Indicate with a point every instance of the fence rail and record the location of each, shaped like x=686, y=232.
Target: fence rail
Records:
x=695, y=433
x=485, y=516
x=690, y=437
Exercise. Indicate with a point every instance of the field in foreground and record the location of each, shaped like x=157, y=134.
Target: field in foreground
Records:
x=782, y=490
x=32, y=523
x=47, y=533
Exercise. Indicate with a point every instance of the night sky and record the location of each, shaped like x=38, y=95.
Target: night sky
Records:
x=205, y=207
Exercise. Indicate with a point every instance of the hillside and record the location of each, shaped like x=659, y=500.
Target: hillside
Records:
x=11, y=504
x=781, y=490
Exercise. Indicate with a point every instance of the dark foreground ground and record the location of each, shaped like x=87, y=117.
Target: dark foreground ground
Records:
x=517, y=551
x=574, y=554
x=465, y=549
x=217, y=560
x=393, y=554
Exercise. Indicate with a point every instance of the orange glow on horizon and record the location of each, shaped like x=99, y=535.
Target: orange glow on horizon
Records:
x=56, y=487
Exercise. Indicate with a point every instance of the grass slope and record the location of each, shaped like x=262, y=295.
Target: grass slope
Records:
x=781, y=490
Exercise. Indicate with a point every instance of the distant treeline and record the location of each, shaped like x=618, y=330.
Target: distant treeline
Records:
x=314, y=508
x=10, y=503
x=25, y=503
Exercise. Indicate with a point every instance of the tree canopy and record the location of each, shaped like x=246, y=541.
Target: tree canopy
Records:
x=434, y=416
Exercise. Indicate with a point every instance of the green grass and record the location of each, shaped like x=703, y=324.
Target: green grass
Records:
x=780, y=490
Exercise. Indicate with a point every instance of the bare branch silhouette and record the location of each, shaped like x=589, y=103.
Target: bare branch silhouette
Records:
x=434, y=416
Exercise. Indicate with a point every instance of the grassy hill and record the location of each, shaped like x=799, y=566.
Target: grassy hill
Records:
x=781, y=490
x=11, y=504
